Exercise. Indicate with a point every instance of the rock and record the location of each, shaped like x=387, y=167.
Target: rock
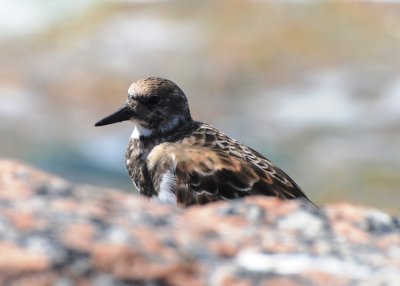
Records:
x=53, y=232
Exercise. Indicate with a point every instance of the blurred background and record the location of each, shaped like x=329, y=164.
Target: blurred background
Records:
x=313, y=86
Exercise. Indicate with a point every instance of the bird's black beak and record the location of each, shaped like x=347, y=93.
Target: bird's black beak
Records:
x=122, y=114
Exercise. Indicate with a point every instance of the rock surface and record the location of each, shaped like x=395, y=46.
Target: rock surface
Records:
x=53, y=232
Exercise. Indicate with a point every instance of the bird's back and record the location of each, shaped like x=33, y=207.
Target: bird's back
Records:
x=208, y=165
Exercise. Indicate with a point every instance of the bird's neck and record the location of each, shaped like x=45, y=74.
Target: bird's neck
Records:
x=141, y=132
x=164, y=130
x=143, y=140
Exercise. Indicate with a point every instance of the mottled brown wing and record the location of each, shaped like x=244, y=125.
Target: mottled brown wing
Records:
x=205, y=175
x=208, y=166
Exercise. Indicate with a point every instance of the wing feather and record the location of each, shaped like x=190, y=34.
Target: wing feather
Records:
x=210, y=166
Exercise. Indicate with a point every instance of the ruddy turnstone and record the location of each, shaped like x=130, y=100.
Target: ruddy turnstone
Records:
x=175, y=159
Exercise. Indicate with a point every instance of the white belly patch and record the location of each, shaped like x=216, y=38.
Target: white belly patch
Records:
x=167, y=185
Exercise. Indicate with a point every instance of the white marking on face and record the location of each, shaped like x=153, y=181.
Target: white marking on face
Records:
x=139, y=130
x=168, y=183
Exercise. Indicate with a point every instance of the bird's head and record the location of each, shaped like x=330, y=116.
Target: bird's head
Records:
x=155, y=105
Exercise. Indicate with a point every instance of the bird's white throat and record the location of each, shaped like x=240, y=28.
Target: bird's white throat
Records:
x=140, y=131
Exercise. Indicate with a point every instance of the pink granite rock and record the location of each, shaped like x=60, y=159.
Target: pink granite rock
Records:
x=53, y=232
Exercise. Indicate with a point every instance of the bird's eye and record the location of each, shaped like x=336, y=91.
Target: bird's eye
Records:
x=153, y=100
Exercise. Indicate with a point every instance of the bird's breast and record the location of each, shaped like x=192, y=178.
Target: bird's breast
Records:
x=136, y=163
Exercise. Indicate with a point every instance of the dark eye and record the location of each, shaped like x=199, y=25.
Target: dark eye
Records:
x=153, y=100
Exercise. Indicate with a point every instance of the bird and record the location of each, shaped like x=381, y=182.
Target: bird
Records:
x=174, y=159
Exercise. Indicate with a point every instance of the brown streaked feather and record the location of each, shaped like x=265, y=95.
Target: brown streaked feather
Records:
x=211, y=166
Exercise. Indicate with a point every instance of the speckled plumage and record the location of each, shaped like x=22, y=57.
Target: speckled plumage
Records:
x=176, y=159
